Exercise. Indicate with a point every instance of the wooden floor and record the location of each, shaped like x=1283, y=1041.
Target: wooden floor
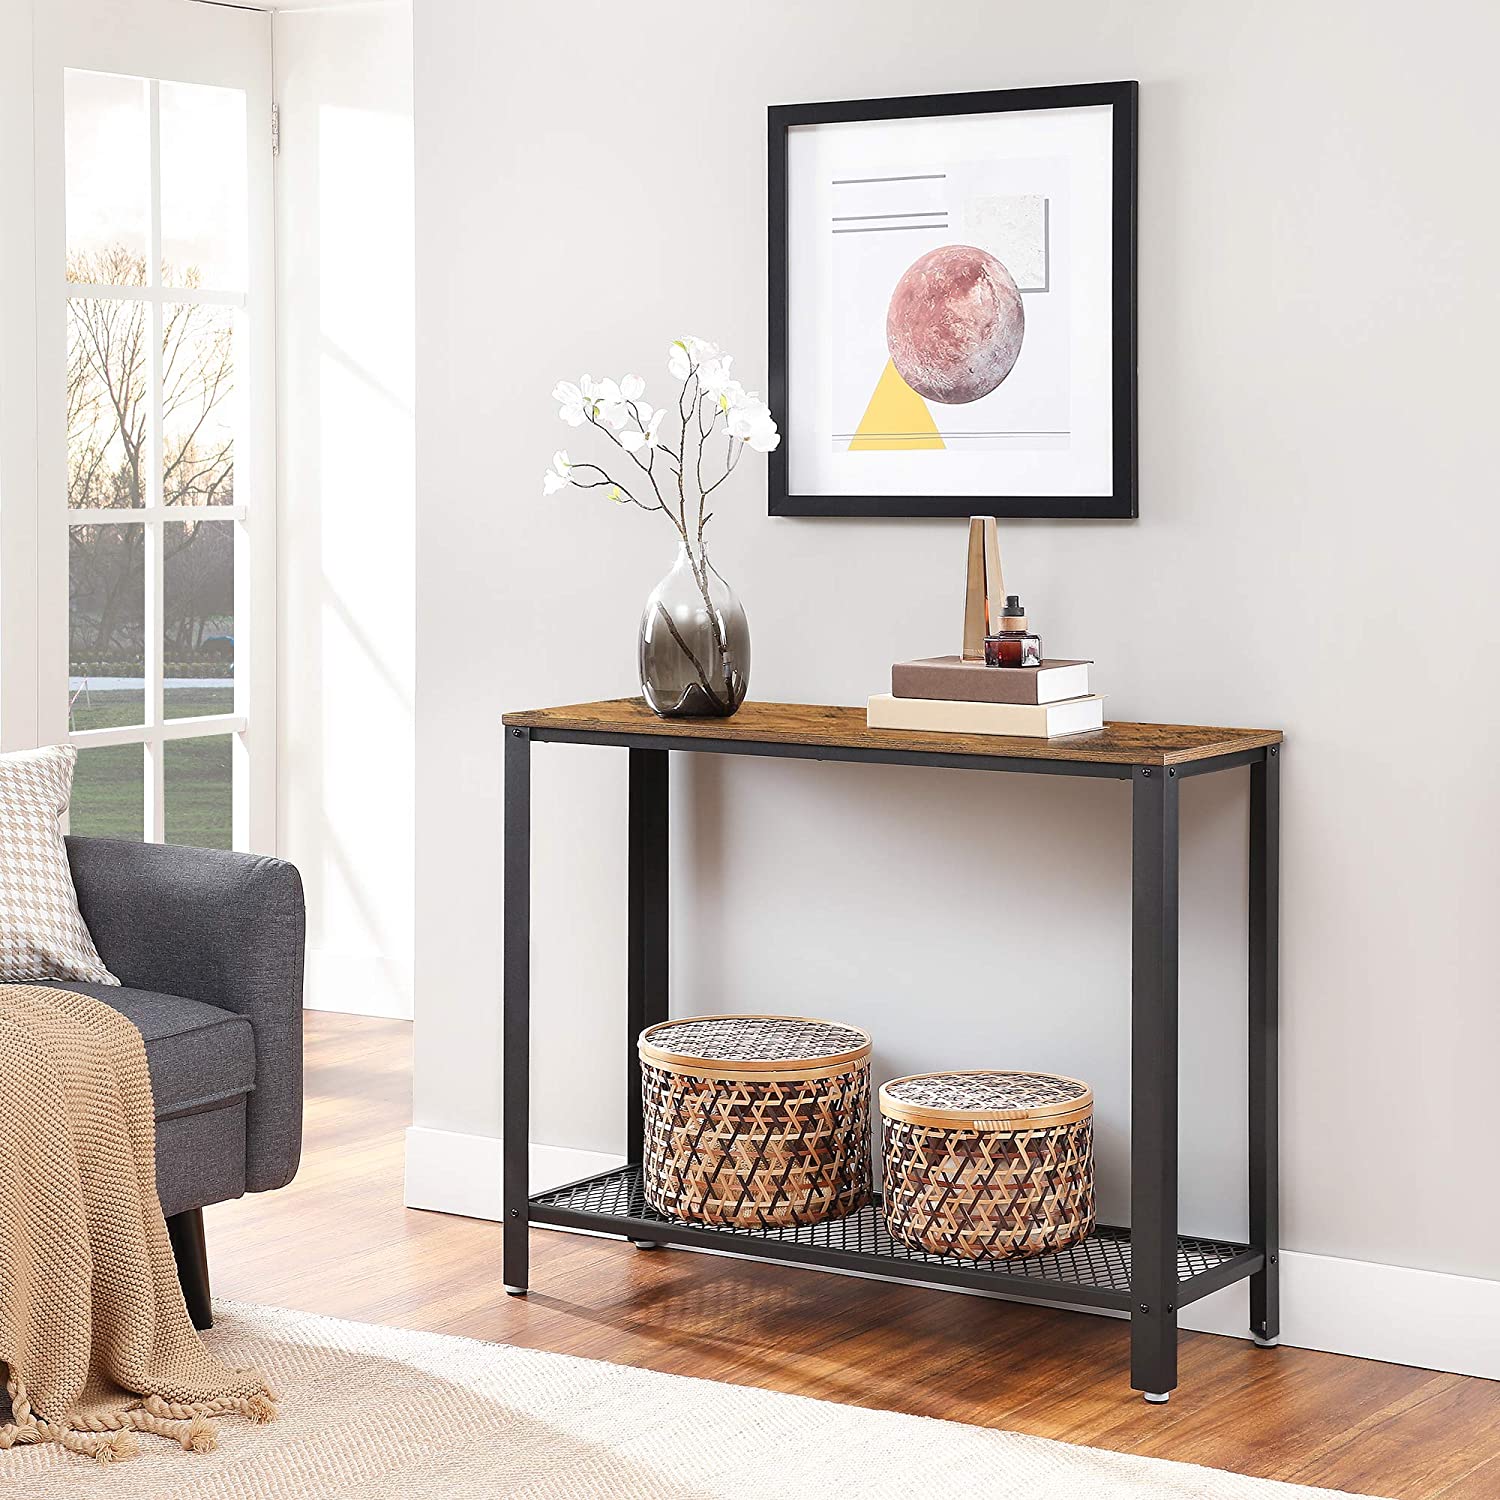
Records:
x=338, y=1241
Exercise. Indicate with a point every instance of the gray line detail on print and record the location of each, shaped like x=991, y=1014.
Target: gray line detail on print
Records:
x=916, y=177
x=890, y=228
x=1046, y=245
x=930, y=213
x=1046, y=285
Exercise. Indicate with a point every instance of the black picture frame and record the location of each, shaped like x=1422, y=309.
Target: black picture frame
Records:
x=1123, y=501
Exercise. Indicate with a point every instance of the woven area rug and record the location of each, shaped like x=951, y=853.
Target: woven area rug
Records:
x=375, y=1413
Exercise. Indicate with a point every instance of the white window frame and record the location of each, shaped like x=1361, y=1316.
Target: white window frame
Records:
x=18, y=489
x=159, y=40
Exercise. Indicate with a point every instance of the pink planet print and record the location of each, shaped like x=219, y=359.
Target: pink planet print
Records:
x=955, y=324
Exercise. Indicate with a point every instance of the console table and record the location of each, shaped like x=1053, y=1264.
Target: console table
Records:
x=1149, y=1270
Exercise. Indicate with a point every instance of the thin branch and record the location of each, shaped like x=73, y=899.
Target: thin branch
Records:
x=682, y=415
x=644, y=468
x=704, y=433
x=731, y=461
x=687, y=651
x=599, y=484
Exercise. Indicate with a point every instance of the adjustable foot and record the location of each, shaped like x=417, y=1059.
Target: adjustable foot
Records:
x=1157, y=1398
x=1261, y=1343
x=645, y=1244
x=515, y=1291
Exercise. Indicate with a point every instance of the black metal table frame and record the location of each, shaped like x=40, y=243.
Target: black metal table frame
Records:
x=1157, y=1289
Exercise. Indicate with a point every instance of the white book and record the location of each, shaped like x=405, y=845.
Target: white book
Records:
x=1038, y=721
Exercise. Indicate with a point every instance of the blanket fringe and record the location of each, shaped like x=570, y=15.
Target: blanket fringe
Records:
x=260, y=1407
x=112, y=1438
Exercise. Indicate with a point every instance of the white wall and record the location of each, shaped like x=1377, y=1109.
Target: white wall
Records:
x=1315, y=551
x=346, y=486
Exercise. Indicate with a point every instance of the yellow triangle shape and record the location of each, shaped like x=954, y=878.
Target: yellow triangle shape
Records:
x=897, y=417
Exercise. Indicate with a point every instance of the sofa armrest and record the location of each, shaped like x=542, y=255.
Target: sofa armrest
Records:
x=220, y=927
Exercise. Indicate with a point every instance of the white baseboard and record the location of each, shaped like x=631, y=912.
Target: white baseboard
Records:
x=1392, y=1313
x=455, y=1173
x=358, y=984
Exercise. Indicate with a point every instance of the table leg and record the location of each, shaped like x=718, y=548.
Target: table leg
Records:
x=646, y=992
x=1153, y=1083
x=1265, y=891
x=516, y=1067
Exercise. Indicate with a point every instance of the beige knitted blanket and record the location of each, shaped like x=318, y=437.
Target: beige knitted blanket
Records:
x=94, y=1334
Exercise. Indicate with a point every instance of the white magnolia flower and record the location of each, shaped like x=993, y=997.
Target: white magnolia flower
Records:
x=732, y=395
x=752, y=423
x=713, y=375
x=632, y=387
x=609, y=405
x=687, y=353
x=645, y=436
x=572, y=400
x=599, y=398
x=556, y=478
x=743, y=407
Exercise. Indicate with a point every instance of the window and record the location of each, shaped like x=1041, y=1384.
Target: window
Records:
x=155, y=633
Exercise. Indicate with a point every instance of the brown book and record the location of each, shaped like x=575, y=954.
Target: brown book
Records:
x=953, y=678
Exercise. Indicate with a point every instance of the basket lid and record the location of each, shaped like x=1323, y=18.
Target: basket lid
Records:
x=987, y=1098
x=752, y=1043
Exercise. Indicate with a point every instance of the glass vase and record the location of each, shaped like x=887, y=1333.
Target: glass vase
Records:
x=694, y=648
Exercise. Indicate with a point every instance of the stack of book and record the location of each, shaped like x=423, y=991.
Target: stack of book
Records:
x=950, y=695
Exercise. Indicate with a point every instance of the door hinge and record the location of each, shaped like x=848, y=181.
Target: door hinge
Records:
x=275, y=130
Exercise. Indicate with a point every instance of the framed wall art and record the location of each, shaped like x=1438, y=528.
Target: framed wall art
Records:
x=952, y=303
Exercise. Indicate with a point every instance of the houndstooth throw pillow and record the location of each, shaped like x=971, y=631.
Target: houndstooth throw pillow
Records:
x=42, y=934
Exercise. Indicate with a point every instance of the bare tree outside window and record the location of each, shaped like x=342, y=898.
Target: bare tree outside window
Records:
x=109, y=432
x=110, y=453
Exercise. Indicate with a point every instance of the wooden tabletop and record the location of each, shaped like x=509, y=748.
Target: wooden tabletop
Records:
x=822, y=724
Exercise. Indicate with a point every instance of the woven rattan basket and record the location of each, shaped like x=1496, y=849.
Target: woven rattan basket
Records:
x=759, y=1122
x=988, y=1165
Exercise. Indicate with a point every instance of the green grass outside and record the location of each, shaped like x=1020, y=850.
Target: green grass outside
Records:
x=109, y=784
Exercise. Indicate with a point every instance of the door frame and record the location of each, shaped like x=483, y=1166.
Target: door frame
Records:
x=18, y=429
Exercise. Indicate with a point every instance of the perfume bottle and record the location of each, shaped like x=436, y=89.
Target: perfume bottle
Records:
x=1013, y=645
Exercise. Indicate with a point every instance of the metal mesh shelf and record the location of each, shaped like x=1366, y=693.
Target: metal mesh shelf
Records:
x=1096, y=1271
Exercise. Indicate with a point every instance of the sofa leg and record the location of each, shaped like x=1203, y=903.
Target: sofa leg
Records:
x=191, y=1253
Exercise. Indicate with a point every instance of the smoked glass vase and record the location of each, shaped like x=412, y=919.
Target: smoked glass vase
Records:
x=694, y=643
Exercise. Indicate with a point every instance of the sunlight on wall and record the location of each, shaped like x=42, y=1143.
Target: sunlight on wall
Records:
x=346, y=312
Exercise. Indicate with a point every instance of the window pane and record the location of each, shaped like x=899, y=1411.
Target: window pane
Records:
x=197, y=404
x=198, y=623
x=109, y=793
x=203, y=186
x=199, y=783
x=108, y=409
x=106, y=626
x=108, y=147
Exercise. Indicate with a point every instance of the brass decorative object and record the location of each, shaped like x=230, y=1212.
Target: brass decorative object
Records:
x=984, y=597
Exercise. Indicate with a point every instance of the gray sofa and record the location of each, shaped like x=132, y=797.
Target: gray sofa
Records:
x=208, y=950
